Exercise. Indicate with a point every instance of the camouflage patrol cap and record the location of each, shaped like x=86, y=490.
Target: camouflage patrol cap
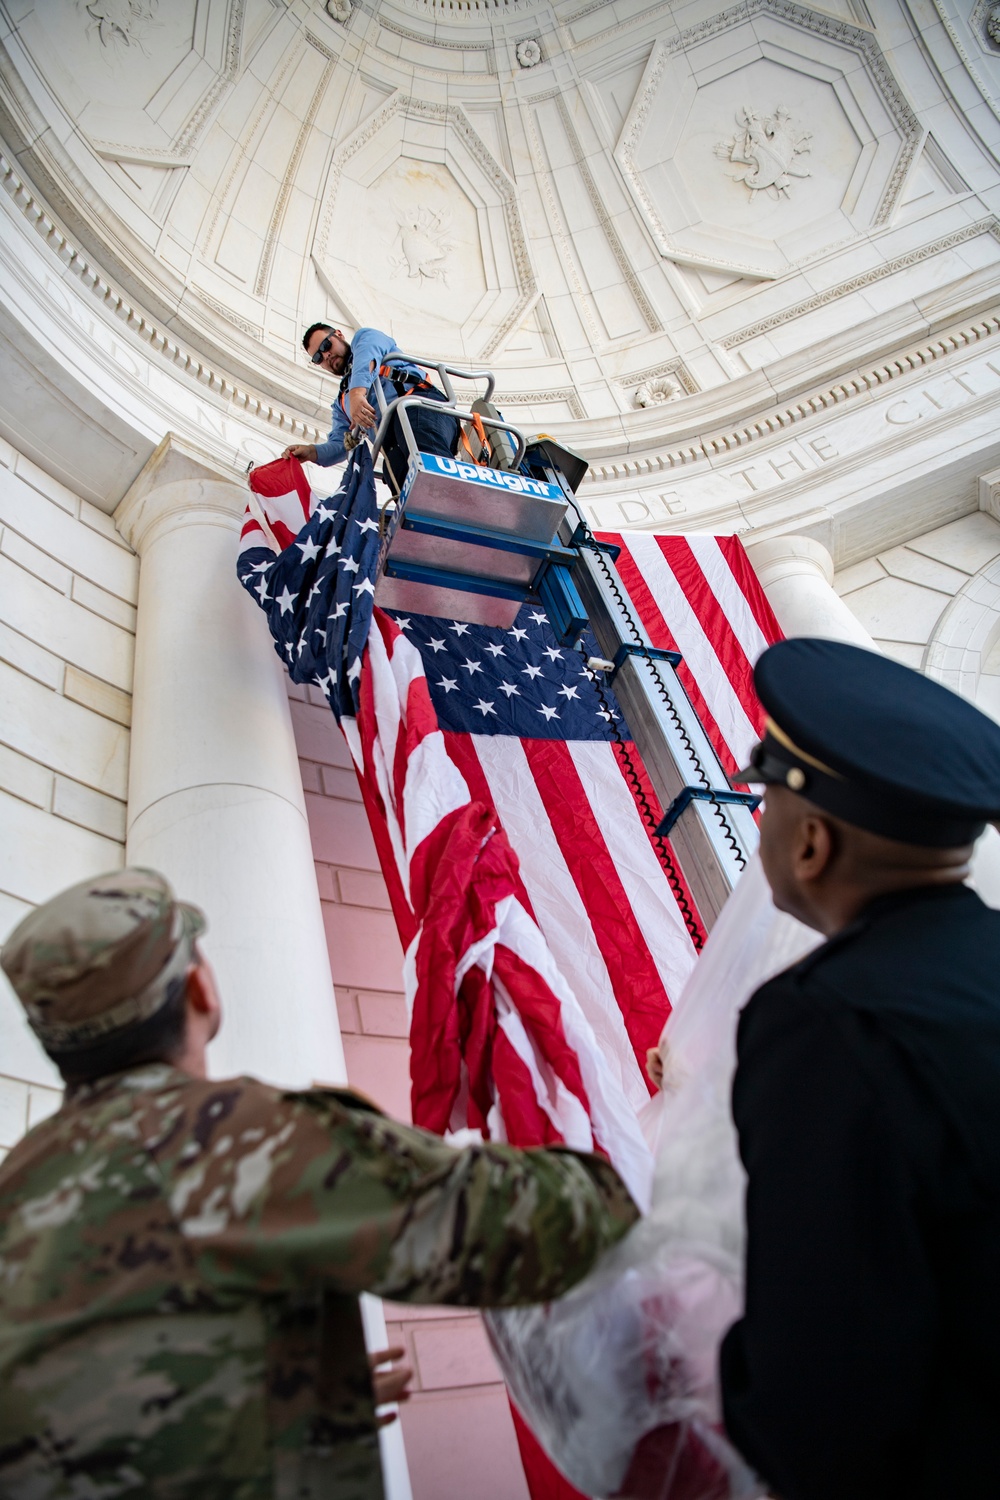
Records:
x=100, y=957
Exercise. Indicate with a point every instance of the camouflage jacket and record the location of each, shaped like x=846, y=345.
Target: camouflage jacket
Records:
x=179, y=1269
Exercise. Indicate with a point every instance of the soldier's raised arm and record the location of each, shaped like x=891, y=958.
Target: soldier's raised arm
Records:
x=290, y=1188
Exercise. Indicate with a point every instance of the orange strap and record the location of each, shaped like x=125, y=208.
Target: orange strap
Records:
x=387, y=372
x=477, y=423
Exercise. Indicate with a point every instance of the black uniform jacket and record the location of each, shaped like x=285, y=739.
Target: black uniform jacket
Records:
x=867, y=1100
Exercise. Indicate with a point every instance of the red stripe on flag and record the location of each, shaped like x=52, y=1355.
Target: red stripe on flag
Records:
x=544, y=1480
x=661, y=636
x=463, y=752
x=399, y=897
x=644, y=794
x=748, y=584
x=635, y=980
x=720, y=634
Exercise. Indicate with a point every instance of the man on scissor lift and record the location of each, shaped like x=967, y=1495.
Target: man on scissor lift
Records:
x=358, y=365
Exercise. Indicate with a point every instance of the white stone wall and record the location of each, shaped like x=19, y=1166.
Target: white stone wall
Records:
x=901, y=594
x=67, y=627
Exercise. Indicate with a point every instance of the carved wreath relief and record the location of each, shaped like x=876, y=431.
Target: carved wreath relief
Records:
x=424, y=244
x=766, y=147
x=121, y=23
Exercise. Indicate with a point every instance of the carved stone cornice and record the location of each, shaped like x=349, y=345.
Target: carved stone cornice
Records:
x=778, y=419
x=867, y=278
x=185, y=361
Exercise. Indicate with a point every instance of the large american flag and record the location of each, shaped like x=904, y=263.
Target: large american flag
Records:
x=545, y=927
x=510, y=809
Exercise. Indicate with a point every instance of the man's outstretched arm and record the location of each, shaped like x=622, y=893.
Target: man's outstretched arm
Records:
x=329, y=1189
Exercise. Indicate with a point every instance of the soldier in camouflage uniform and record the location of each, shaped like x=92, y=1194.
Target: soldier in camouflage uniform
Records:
x=180, y=1259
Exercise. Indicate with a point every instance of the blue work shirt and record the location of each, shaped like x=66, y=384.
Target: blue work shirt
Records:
x=369, y=348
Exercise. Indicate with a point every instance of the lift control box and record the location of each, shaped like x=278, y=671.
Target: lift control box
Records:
x=469, y=542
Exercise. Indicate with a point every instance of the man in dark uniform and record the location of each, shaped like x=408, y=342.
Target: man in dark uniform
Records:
x=867, y=1095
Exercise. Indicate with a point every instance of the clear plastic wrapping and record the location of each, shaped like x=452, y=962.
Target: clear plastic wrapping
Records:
x=618, y=1379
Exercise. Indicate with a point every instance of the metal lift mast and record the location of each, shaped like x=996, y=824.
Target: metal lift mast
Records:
x=475, y=541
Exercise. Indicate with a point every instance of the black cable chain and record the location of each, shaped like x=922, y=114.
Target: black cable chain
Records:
x=649, y=817
x=727, y=832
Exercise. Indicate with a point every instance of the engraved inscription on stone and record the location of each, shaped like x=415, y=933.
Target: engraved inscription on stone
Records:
x=765, y=149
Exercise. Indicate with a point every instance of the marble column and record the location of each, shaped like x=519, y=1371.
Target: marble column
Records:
x=215, y=796
x=796, y=574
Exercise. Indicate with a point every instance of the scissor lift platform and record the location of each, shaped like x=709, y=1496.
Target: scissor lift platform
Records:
x=469, y=542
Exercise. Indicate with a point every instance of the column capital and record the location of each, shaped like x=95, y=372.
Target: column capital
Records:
x=790, y=557
x=989, y=493
x=179, y=485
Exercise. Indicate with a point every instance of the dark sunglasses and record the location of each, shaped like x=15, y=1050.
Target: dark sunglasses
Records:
x=324, y=348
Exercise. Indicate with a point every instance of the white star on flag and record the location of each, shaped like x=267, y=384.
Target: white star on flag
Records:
x=570, y=692
x=519, y=635
x=495, y=649
x=532, y=672
x=339, y=611
x=436, y=646
x=549, y=713
x=449, y=684
x=350, y=564
x=509, y=689
x=365, y=587
x=286, y=600
x=472, y=666
x=485, y=708
x=459, y=628
x=552, y=653
x=309, y=550
x=369, y=525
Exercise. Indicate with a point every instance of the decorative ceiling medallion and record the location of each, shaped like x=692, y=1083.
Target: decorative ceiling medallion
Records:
x=765, y=148
x=795, y=67
x=528, y=52
x=658, y=392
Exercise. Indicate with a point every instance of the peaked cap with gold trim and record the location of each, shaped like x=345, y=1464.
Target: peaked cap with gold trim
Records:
x=875, y=743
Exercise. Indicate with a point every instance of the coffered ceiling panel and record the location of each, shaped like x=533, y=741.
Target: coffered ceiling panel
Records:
x=752, y=147
x=420, y=231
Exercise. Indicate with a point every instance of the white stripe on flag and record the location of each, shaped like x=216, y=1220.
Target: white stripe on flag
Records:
x=558, y=907
x=692, y=642
x=729, y=596
x=616, y=1128
x=564, y=1110
x=634, y=858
